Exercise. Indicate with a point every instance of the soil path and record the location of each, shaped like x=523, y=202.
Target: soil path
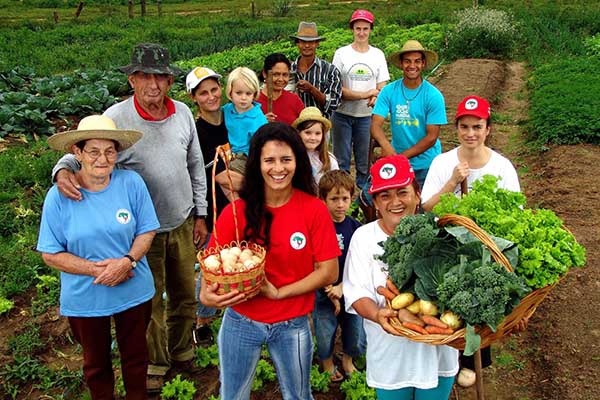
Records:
x=558, y=357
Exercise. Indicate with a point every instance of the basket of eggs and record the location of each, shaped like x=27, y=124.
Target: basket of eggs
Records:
x=237, y=265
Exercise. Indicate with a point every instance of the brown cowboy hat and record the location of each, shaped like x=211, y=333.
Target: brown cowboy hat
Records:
x=431, y=57
x=307, y=31
x=94, y=127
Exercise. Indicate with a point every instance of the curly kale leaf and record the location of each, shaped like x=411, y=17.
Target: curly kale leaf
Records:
x=412, y=239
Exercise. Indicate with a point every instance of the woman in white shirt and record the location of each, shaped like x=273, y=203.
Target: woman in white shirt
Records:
x=397, y=368
x=471, y=160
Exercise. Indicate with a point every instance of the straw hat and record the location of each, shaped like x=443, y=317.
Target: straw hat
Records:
x=94, y=127
x=312, y=114
x=307, y=32
x=431, y=57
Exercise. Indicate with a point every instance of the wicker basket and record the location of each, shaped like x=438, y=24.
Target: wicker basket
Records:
x=525, y=309
x=248, y=281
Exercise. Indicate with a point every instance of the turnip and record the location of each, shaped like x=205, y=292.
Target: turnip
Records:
x=451, y=319
x=428, y=308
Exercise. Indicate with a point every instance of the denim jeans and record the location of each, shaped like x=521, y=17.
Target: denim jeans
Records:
x=352, y=134
x=240, y=342
x=202, y=311
x=326, y=322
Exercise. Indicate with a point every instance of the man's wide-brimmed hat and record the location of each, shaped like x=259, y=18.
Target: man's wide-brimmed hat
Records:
x=94, y=127
x=312, y=114
x=307, y=31
x=431, y=56
x=152, y=59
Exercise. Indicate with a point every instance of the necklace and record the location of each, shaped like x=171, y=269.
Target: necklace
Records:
x=412, y=98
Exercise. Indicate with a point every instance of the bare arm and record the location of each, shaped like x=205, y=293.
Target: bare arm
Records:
x=348, y=94
x=432, y=134
x=325, y=273
x=378, y=134
x=72, y=264
x=64, y=176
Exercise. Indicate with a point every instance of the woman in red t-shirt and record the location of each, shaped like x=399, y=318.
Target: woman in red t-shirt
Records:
x=286, y=106
x=294, y=226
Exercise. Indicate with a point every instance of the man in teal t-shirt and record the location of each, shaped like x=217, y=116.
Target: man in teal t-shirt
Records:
x=416, y=109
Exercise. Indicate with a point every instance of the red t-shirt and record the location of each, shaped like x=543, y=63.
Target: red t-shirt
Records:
x=302, y=233
x=287, y=107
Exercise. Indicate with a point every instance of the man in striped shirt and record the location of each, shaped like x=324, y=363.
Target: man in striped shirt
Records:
x=317, y=82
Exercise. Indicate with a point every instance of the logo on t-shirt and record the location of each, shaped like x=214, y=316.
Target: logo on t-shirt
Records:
x=340, y=239
x=298, y=240
x=387, y=171
x=123, y=216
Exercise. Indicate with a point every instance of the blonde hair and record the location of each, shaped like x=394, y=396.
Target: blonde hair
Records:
x=247, y=76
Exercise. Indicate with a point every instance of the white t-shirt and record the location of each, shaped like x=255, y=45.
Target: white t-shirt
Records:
x=317, y=165
x=359, y=72
x=442, y=166
x=393, y=362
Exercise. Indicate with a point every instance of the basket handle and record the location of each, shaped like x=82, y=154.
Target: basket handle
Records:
x=221, y=151
x=479, y=234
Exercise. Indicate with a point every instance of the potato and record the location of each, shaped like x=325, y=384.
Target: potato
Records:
x=402, y=300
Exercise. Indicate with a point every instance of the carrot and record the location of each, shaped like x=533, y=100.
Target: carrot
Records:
x=433, y=321
x=415, y=328
x=387, y=293
x=437, y=329
x=390, y=285
x=406, y=316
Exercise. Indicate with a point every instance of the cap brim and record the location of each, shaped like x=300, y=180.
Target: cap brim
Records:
x=63, y=141
x=408, y=181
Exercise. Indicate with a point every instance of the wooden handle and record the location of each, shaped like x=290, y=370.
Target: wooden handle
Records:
x=464, y=187
x=269, y=92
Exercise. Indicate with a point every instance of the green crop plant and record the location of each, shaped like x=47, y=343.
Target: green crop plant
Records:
x=178, y=389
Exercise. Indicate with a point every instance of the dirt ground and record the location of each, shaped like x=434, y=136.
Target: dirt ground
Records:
x=558, y=357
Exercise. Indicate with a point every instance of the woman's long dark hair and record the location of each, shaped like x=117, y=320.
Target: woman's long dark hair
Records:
x=258, y=217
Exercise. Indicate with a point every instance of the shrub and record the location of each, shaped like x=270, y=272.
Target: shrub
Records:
x=592, y=45
x=564, y=101
x=5, y=305
x=482, y=32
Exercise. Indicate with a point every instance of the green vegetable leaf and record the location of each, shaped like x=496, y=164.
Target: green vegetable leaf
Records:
x=472, y=341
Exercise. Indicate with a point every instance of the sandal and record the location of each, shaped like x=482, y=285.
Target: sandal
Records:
x=335, y=375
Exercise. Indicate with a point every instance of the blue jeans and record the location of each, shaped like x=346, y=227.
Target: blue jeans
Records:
x=352, y=134
x=240, y=342
x=441, y=392
x=325, y=322
x=202, y=311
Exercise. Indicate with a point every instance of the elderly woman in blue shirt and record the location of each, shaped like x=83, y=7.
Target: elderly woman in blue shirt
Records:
x=99, y=244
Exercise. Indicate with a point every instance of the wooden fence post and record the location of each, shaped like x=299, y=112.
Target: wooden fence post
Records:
x=130, y=8
x=143, y=7
x=79, y=9
x=252, y=11
x=55, y=17
x=159, y=6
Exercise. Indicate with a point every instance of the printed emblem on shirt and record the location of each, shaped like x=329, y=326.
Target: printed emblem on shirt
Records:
x=340, y=239
x=123, y=216
x=403, y=116
x=387, y=171
x=361, y=77
x=298, y=240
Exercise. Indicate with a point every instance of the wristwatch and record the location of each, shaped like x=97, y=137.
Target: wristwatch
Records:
x=133, y=262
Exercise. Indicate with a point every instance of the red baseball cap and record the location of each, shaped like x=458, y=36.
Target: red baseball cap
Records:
x=391, y=172
x=362, y=14
x=475, y=106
